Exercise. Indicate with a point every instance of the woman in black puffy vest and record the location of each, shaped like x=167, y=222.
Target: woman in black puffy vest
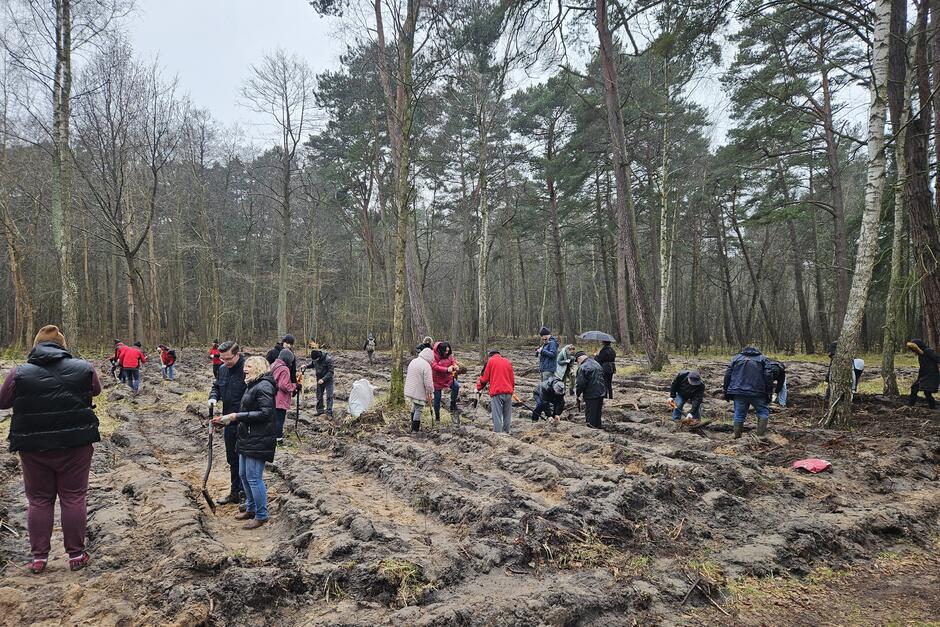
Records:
x=257, y=438
x=53, y=429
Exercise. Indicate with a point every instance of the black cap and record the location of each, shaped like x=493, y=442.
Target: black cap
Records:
x=579, y=354
x=544, y=331
x=288, y=339
x=493, y=352
x=695, y=377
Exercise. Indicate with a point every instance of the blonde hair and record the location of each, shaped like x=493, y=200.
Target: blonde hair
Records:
x=258, y=363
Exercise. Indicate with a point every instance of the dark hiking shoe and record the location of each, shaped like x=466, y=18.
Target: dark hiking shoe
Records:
x=244, y=516
x=228, y=499
x=254, y=524
x=738, y=429
x=761, y=427
x=80, y=562
x=36, y=566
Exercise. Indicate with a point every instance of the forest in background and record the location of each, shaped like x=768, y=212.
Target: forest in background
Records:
x=479, y=168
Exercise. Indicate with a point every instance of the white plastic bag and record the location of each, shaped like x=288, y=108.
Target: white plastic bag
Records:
x=361, y=397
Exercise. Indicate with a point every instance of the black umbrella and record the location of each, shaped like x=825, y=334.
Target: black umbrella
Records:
x=597, y=336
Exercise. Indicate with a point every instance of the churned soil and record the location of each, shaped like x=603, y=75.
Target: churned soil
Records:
x=554, y=524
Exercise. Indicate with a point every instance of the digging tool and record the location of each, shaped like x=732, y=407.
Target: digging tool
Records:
x=205, y=477
x=297, y=410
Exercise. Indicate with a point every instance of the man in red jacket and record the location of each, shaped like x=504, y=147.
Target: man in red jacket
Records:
x=215, y=356
x=131, y=359
x=502, y=381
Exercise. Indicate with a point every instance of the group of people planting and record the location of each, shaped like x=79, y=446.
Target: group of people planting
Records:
x=53, y=425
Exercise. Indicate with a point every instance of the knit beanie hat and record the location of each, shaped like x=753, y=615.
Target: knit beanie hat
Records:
x=544, y=331
x=50, y=333
x=579, y=354
x=286, y=356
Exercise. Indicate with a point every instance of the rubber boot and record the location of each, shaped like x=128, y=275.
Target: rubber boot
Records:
x=415, y=426
x=761, y=427
x=738, y=428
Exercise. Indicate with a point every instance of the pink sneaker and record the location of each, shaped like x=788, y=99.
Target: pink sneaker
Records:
x=37, y=566
x=80, y=562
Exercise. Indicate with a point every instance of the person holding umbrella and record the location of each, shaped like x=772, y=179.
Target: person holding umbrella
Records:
x=606, y=357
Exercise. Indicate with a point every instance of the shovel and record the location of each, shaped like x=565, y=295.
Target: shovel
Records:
x=205, y=477
x=297, y=409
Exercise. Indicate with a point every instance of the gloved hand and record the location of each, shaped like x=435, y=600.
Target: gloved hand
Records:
x=212, y=402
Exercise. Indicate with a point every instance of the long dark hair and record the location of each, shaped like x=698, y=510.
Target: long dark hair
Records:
x=443, y=349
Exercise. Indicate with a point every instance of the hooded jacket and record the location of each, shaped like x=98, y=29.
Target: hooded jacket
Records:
x=749, y=374
x=564, y=361
x=607, y=358
x=693, y=394
x=548, y=355
x=928, y=376
x=283, y=387
x=443, y=378
x=590, y=380
x=419, y=381
x=52, y=406
x=498, y=373
x=132, y=357
x=256, y=431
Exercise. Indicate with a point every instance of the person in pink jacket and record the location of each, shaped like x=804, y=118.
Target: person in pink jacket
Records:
x=419, y=385
x=284, y=390
x=444, y=367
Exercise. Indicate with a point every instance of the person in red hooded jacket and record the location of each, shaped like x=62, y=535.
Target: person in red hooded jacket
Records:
x=132, y=357
x=498, y=374
x=168, y=361
x=216, y=357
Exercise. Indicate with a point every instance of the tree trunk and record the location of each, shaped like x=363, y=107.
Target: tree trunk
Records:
x=627, y=261
x=556, y=261
x=840, y=409
x=838, y=201
x=806, y=330
x=62, y=168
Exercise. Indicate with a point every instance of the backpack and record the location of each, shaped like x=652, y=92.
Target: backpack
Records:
x=172, y=354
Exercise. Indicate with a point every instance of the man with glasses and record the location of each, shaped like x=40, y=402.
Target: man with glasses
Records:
x=229, y=387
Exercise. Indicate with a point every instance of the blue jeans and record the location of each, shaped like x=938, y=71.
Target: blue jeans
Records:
x=133, y=378
x=328, y=389
x=169, y=372
x=677, y=412
x=454, y=388
x=251, y=469
x=742, y=403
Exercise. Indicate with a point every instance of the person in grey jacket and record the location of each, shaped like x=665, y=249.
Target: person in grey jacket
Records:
x=590, y=384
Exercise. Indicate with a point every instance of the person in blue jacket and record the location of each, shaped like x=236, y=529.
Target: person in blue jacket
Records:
x=749, y=383
x=547, y=353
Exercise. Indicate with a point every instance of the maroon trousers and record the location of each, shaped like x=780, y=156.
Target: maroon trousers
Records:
x=46, y=475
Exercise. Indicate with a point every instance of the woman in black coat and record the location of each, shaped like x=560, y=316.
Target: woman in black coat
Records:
x=606, y=358
x=928, y=377
x=257, y=438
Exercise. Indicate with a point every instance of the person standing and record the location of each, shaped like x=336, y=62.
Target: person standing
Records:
x=229, y=387
x=549, y=399
x=419, y=385
x=687, y=387
x=928, y=375
x=547, y=354
x=749, y=383
x=216, y=360
x=564, y=366
x=132, y=358
x=590, y=385
x=254, y=424
x=427, y=342
x=607, y=358
x=369, y=348
x=322, y=363
x=167, y=362
x=284, y=390
x=444, y=368
x=53, y=428
x=498, y=374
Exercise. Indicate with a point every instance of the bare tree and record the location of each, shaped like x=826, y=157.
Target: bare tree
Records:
x=282, y=88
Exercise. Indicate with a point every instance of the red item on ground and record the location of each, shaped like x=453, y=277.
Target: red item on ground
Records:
x=812, y=465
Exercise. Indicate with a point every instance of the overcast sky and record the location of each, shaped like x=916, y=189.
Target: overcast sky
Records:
x=209, y=44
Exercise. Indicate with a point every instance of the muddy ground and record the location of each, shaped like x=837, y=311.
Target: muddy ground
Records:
x=555, y=524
